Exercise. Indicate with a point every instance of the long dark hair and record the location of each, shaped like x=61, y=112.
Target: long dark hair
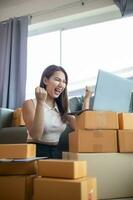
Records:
x=62, y=100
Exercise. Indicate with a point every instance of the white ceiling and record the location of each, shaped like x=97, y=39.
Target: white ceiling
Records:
x=52, y=3
x=6, y=3
x=44, y=10
x=11, y=8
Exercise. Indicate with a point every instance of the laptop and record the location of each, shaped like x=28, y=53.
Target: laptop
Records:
x=113, y=93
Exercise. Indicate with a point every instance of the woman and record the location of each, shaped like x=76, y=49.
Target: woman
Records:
x=46, y=116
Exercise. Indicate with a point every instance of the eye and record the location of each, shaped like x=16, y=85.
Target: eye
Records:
x=57, y=79
x=60, y=80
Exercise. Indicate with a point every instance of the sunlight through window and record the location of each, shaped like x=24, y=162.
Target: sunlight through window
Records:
x=83, y=51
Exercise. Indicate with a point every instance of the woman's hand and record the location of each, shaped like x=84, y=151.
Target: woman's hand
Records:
x=86, y=101
x=41, y=94
x=70, y=120
x=88, y=92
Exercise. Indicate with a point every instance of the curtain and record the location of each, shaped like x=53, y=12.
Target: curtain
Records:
x=122, y=4
x=13, y=61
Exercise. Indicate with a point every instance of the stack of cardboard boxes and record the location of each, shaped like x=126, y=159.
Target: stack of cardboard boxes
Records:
x=96, y=132
x=102, y=132
x=63, y=180
x=102, y=138
x=22, y=177
x=17, y=174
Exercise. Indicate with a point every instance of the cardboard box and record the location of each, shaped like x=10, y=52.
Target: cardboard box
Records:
x=125, y=140
x=16, y=187
x=61, y=189
x=17, y=150
x=92, y=187
x=62, y=168
x=125, y=121
x=17, y=119
x=97, y=120
x=93, y=141
x=113, y=171
x=15, y=168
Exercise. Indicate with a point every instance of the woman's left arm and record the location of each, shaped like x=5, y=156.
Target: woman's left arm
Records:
x=70, y=120
x=86, y=100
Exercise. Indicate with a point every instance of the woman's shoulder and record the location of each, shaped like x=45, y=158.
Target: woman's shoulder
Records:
x=28, y=110
x=30, y=103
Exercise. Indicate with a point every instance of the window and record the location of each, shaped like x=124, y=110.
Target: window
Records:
x=43, y=50
x=82, y=51
x=106, y=46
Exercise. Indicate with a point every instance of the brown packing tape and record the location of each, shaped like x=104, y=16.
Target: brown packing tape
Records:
x=98, y=134
x=97, y=147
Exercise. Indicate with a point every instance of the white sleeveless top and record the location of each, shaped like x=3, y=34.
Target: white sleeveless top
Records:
x=53, y=126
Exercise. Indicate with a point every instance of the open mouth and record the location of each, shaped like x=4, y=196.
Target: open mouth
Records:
x=58, y=91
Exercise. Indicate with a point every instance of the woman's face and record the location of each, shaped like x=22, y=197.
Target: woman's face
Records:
x=56, y=84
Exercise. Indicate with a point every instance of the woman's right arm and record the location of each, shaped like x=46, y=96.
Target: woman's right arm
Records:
x=34, y=116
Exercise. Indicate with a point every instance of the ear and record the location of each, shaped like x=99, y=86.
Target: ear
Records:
x=45, y=80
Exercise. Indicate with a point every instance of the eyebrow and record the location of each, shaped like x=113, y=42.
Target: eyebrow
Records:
x=61, y=79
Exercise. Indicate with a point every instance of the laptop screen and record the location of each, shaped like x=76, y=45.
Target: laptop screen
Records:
x=112, y=93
